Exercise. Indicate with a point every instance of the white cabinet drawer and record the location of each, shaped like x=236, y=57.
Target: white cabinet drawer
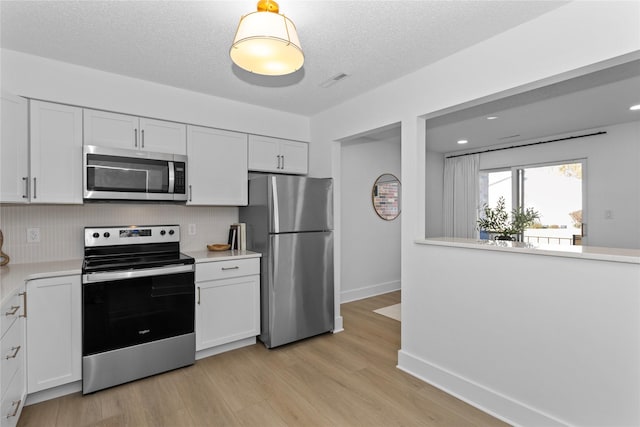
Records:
x=12, y=352
x=226, y=269
x=10, y=311
x=12, y=402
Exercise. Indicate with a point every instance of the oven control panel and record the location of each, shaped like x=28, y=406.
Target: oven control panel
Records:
x=132, y=234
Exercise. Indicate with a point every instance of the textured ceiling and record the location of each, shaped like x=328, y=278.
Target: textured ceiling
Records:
x=185, y=43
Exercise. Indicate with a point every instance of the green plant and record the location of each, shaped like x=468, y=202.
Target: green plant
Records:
x=496, y=220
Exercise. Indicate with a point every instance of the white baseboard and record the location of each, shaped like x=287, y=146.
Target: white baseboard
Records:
x=337, y=325
x=225, y=347
x=487, y=400
x=369, y=291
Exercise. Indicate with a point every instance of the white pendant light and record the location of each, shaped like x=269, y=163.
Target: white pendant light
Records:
x=266, y=42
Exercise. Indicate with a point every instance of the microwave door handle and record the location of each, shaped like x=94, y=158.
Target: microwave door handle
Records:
x=172, y=178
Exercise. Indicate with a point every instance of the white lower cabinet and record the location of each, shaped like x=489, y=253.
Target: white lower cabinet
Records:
x=12, y=364
x=227, y=301
x=54, y=332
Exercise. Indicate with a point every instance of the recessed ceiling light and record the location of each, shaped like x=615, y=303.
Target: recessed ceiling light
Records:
x=635, y=107
x=462, y=141
x=492, y=117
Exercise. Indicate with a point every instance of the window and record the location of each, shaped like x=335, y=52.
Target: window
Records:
x=554, y=190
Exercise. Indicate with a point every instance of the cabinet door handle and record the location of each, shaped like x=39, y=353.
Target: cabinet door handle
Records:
x=230, y=268
x=26, y=187
x=15, y=353
x=14, y=310
x=142, y=138
x=282, y=163
x=135, y=138
x=198, y=295
x=24, y=303
x=190, y=193
x=15, y=403
x=35, y=188
x=278, y=166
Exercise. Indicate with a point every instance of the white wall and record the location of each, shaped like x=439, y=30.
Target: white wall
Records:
x=370, y=245
x=434, y=165
x=535, y=339
x=559, y=43
x=42, y=78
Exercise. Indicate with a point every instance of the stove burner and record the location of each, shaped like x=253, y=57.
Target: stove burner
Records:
x=132, y=247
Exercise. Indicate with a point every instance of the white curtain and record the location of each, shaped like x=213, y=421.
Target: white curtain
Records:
x=461, y=196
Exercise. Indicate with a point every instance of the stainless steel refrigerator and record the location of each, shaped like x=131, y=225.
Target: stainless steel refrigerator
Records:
x=290, y=221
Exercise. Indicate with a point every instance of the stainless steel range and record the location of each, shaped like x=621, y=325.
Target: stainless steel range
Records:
x=138, y=302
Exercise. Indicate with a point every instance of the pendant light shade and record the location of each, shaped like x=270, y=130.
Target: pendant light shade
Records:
x=266, y=42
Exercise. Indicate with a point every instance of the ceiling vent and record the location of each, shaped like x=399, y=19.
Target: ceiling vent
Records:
x=333, y=80
x=510, y=136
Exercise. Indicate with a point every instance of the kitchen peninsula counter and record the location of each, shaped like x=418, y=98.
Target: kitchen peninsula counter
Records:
x=583, y=252
x=546, y=335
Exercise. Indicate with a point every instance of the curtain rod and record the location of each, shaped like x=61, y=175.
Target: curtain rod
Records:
x=529, y=144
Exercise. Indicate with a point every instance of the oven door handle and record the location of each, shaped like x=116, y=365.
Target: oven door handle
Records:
x=132, y=274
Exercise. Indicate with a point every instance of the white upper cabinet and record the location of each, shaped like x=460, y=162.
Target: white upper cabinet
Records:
x=268, y=154
x=47, y=166
x=14, y=149
x=55, y=153
x=110, y=129
x=217, y=167
x=115, y=130
x=163, y=137
x=294, y=157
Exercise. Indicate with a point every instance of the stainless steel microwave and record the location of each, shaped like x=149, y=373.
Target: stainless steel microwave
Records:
x=120, y=174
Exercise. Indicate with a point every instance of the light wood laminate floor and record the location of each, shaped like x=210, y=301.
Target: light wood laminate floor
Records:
x=344, y=379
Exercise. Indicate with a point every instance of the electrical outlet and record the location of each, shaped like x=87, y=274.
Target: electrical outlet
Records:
x=192, y=229
x=33, y=235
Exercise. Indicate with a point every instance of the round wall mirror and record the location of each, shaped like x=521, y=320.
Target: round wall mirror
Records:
x=385, y=196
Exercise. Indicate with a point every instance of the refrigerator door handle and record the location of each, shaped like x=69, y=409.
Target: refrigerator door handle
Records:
x=276, y=211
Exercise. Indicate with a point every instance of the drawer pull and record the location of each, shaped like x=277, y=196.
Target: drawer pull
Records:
x=15, y=353
x=14, y=310
x=24, y=303
x=230, y=268
x=15, y=403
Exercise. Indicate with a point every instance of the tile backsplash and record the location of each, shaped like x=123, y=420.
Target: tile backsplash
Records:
x=61, y=226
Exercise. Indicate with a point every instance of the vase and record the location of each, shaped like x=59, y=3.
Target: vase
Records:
x=503, y=237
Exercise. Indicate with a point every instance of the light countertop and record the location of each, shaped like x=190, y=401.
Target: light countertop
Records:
x=583, y=252
x=12, y=276
x=209, y=256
